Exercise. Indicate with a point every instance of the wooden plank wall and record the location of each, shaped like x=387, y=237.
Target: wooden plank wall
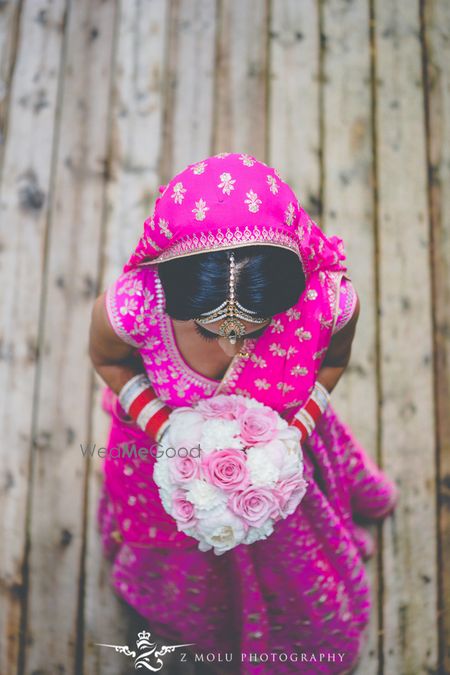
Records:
x=101, y=101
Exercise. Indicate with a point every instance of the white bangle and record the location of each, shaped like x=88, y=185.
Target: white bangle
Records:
x=320, y=396
x=131, y=389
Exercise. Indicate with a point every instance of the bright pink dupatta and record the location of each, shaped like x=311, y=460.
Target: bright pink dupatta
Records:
x=231, y=200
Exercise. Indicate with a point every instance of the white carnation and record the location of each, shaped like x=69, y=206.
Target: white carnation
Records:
x=203, y=546
x=253, y=403
x=257, y=533
x=292, y=465
x=213, y=512
x=161, y=475
x=205, y=496
x=220, y=434
x=223, y=532
x=262, y=472
x=291, y=438
x=281, y=423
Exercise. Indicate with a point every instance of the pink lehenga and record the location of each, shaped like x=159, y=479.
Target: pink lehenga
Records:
x=304, y=591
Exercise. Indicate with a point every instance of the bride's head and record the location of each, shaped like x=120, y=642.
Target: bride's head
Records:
x=267, y=280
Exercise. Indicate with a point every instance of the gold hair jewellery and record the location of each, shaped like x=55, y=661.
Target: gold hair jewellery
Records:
x=232, y=312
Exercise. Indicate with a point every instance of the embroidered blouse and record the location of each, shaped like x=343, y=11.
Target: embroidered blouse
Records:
x=135, y=307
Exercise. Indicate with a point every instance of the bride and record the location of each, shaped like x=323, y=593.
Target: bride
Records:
x=233, y=289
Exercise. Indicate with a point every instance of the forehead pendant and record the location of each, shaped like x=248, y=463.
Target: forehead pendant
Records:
x=231, y=312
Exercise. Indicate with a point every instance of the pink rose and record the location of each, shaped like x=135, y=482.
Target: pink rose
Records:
x=183, y=469
x=254, y=505
x=183, y=510
x=258, y=426
x=290, y=492
x=226, y=469
x=220, y=407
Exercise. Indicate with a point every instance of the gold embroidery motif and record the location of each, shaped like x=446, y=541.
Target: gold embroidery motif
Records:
x=325, y=323
x=273, y=185
x=178, y=193
x=246, y=159
x=289, y=214
x=153, y=244
x=253, y=201
x=299, y=370
x=199, y=168
x=303, y=334
x=262, y=384
x=293, y=314
x=200, y=209
x=243, y=392
x=277, y=349
x=227, y=183
x=161, y=356
x=284, y=388
x=161, y=377
x=164, y=227
x=258, y=361
x=276, y=326
x=129, y=306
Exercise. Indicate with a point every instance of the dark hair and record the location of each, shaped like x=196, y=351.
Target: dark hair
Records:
x=269, y=280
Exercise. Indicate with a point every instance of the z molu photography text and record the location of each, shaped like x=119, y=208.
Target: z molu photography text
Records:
x=270, y=657
x=130, y=450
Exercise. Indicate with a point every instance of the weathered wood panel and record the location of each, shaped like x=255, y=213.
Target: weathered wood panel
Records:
x=136, y=128
x=9, y=19
x=24, y=204
x=437, y=43
x=64, y=382
x=136, y=138
x=189, y=104
x=348, y=211
x=241, y=78
x=407, y=416
x=294, y=134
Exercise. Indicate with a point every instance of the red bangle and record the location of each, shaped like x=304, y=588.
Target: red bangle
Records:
x=303, y=430
x=306, y=418
x=139, y=400
x=157, y=422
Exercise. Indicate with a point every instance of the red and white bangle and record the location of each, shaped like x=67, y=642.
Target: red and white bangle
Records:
x=140, y=402
x=306, y=418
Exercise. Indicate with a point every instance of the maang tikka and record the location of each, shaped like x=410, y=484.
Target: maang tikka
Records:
x=231, y=311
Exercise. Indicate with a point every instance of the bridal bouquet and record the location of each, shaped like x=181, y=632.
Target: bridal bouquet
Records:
x=246, y=475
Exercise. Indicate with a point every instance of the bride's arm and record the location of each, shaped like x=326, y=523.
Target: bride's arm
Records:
x=334, y=364
x=113, y=359
x=121, y=367
x=338, y=354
